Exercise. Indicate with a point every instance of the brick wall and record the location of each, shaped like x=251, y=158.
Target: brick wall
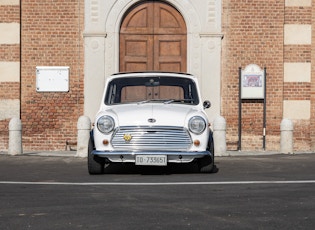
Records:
x=10, y=13
x=9, y=80
x=51, y=36
x=255, y=33
x=312, y=95
x=296, y=89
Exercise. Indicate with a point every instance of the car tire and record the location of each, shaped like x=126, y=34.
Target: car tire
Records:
x=95, y=163
x=210, y=146
x=205, y=164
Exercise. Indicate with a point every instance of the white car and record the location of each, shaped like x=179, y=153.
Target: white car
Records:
x=151, y=119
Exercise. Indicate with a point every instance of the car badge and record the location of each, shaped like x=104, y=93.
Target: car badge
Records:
x=151, y=120
x=127, y=137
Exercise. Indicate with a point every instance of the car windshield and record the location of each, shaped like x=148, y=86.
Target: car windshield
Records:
x=151, y=90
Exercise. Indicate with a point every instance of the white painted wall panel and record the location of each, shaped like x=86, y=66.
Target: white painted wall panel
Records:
x=298, y=2
x=297, y=34
x=9, y=108
x=297, y=72
x=9, y=71
x=9, y=2
x=297, y=110
x=9, y=33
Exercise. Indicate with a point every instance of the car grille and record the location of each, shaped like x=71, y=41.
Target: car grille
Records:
x=151, y=138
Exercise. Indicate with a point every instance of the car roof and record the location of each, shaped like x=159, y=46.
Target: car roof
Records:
x=151, y=73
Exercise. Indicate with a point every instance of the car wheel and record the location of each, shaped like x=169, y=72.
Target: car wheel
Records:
x=205, y=164
x=95, y=163
x=210, y=146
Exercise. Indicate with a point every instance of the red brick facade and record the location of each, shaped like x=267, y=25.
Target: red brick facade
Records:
x=52, y=35
x=312, y=122
x=8, y=53
x=254, y=33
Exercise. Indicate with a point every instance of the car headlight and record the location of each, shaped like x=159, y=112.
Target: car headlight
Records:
x=105, y=124
x=197, y=125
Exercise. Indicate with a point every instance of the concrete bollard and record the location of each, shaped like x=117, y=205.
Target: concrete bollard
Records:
x=84, y=128
x=219, y=135
x=15, y=137
x=286, y=136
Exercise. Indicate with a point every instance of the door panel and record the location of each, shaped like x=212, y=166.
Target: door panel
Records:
x=133, y=93
x=153, y=36
x=170, y=53
x=139, y=20
x=136, y=52
x=141, y=93
x=167, y=20
x=171, y=92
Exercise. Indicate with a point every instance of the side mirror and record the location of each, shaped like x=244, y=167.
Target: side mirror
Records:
x=206, y=104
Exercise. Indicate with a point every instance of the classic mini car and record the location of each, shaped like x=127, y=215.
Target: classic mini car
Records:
x=151, y=119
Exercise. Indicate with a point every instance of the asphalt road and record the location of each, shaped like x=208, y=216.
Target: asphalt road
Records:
x=263, y=192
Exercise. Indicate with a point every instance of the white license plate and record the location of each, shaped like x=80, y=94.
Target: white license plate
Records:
x=155, y=160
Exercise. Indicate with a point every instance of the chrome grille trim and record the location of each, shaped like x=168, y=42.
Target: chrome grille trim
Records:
x=152, y=138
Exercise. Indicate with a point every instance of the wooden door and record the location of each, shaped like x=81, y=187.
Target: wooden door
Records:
x=153, y=37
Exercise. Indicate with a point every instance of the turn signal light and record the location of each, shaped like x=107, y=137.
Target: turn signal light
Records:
x=196, y=142
x=105, y=142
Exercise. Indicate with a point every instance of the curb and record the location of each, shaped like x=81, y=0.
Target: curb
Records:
x=46, y=153
x=227, y=154
x=237, y=153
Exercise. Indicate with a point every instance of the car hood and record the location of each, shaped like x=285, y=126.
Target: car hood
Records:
x=152, y=114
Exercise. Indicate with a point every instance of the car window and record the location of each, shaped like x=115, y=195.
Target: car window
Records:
x=151, y=89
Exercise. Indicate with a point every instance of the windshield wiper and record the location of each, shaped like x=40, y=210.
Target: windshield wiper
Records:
x=178, y=100
x=166, y=101
x=149, y=100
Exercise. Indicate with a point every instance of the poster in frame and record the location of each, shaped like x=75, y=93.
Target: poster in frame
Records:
x=252, y=82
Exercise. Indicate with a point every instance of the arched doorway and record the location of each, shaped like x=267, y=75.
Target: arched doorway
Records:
x=102, y=42
x=153, y=36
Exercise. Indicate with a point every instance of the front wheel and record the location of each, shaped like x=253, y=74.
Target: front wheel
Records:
x=210, y=146
x=95, y=163
x=205, y=164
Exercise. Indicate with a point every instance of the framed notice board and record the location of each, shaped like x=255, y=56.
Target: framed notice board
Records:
x=252, y=82
x=52, y=78
x=252, y=87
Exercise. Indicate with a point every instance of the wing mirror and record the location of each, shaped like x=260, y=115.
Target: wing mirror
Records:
x=206, y=104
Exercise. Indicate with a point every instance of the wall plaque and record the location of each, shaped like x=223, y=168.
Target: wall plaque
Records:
x=52, y=78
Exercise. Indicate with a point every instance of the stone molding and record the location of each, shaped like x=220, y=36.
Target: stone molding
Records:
x=102, y=25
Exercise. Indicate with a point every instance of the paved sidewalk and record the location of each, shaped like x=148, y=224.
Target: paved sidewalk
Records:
x=227, y=154
x=257, y=153
x=47, y=153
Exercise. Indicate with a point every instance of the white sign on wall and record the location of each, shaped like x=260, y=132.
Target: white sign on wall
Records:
x=52, y=78
x=252, y=82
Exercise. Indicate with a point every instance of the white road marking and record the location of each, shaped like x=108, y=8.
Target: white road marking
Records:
x=159, y=184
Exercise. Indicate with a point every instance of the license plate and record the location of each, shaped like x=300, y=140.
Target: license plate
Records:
x=154, y=160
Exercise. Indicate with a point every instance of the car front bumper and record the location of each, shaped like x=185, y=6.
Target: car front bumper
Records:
x=172, y=156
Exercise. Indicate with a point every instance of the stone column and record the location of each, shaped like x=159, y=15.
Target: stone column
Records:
x=286, y=136
x=84, y=128
x=15, y=137
x=210, y=59
x=219, y=135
